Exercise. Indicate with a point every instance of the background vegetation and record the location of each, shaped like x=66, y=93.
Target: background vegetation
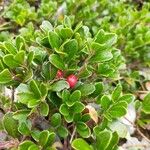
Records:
x=75, y=74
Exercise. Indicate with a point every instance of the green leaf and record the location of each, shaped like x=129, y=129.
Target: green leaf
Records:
x=43, y=138
x=103, y=139
x=10, y=125
x=114, y=141
x=54, y=40
x=79, y=144
x=51, y=139
x=127, y=98
x=10, y=61
x=33, y=147
x=44, y=108
x=83, y=130
x=35, y=89
x=67, y=22
x=66, y=33
x=57, y=61
x=101, y=56
x=43, y=90
x=71, y=48
x=35, y=134
x=117, y=93
x=117, y=111
x=33, y=103
x=25, y=145
x=87, y=89
x=65, y=95
x=146, y=104
x=20, y=57
x=24, y=129
x=56, y=120
x=20, y=43
x=60, y=85
x=75, y=96
x=98, y=89
x=46, y=26
x=62, y=131
x=30, y=57
x=78, y=107
x=25, y=97
x=105, y=38
x=81, y=125
x=105, y=102
x=10, y=48
x=105, y=69
x=5, y=76
x=69, y=118
x=21, y=115
x=64, y=110
x=98, y=48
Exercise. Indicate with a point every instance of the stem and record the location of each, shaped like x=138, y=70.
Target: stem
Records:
x=73, y=134
x=84, y=65
x=138, y=130
x=12, y=97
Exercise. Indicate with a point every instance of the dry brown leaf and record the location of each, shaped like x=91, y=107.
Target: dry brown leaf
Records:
x=93, y=113
x=147, y=85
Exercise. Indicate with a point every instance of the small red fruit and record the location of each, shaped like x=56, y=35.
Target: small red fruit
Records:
x=72, y=80
x=59, y=74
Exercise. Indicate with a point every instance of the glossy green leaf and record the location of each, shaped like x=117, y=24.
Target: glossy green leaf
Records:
x=35, y=89
x=116, y=93
x=75, y=96
x=44, y=108
x=25, y=145
x=86, y=89
x=117, y=111
x=46, y=26
x=10, y=61
x=146, y=104
x=127, y=98
x=103, y=139
x=10, y=48
x=11, y=125
x=54, y=39
x=56, y=120
x=57, y=61
x=79, y=144
x=5, y=76
x=64, y=110
x=62, y=131
x=83, y=130
x=105, y=102
x=43, y=138
x=24, y=129
x=66, y=33
x=78, y=107
x=20, y=57
x=71, y=48
x=114, y=141
x=60, y=85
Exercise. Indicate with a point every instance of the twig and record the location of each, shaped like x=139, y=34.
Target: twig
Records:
x=143, y=92
x=142, y=135
x=137, y=145
x=138, y=130
x=73, y=134
x=84, y=65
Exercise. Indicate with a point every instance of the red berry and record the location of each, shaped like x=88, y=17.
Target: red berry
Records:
x=59, y=74
x=72, y=80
